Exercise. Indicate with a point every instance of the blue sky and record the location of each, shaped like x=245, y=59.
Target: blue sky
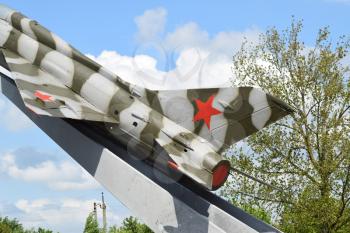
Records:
x=93, y=26
x=125, y=36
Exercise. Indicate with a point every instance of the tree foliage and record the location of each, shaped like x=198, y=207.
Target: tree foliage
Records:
x=307, y=155
x=5, y=228
x=254, y=209
x=131, y=225
x=91, y=224
x=13, y=226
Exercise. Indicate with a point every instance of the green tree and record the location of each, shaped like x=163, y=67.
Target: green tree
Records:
x=5, y=228
x=254, y=209
x=42, y=230
x=131, y=225
x=113, y=229
x=39, y=230
x=306, y=155
x=12, y=224
x=91, y=224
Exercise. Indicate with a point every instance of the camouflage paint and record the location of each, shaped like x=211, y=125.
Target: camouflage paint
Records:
x=73, y=86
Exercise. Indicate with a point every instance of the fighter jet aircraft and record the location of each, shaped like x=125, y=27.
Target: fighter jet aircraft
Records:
x=193, y=126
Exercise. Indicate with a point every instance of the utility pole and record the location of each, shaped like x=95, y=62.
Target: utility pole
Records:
x=103, y=207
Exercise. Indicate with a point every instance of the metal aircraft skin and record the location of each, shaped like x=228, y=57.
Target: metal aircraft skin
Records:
x=192, y=126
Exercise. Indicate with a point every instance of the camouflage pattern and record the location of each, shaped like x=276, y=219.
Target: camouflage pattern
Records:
x=193, y=126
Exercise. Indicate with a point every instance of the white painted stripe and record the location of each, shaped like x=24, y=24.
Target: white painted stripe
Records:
x=177, y=107
x=25, y=24
x=5, y=72
x=59, y=66
x=258, y=100
x=226, y=95
x=27, y=47
x=218, y=136
x=98, y=91
x=5, y=29
x=126, y=118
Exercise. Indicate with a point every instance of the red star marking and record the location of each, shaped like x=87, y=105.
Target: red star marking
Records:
x=205, y=111
x=43, y=96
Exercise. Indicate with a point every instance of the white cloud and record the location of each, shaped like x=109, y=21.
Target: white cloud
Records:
x=194, y=69
x=196, y=59
x=230, y=42
x=151, y=23
x=200, y=61
x=226, y=43
x=63, y=215
x=12, y=118
x=128, y=67
x=57, y=175
x=188, y=35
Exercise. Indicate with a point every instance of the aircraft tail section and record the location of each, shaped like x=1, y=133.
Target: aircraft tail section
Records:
x=222, y=116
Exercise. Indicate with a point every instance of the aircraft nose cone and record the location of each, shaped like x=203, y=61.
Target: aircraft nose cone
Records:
x=5, y=12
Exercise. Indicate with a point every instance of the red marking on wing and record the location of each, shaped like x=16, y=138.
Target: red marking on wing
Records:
x=205, y=111
x=43, y=96
x=173, y=165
